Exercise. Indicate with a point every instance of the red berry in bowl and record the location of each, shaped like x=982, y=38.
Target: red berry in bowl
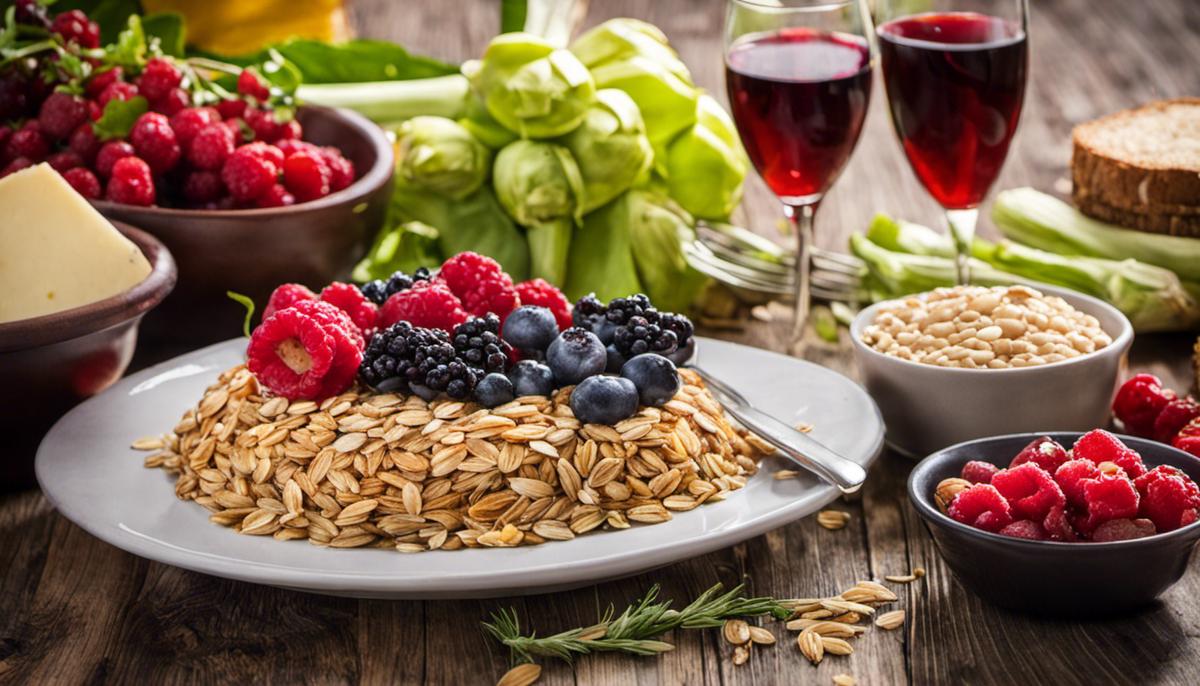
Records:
x=291, y=146
x=231, y=109
x=1123, y=530
x=1099, y=446
x=102, y=79
x=157, y=78
x=62, y=161
x=211, y=146
x=28, y=143
x=290, y=131
x=276, y=196
x=247, y=175
x=131, y=182
x=306, y=175
x=1026, y=529
x=61, y=114
x=1030, y=491
x=108, y=155
x=1138, y=403
x=1188, y=439
x=342, y=168
x=201, y=187
x=978, y=472
x=263, y=124
x=1045, y=452
x=190, y=121
x=117, y=91
x=16, y=165
x=1107, y=497
x=1175, y=415
x=249, y=84
x=1057, y=525
x=172, y=103
x=982, y=507
x=543, y=294
x=84, y=182
x=154, y=140
x=75, y=27
x=265, y=151
x=1071, y=477
x=83, y=142
x=1169, y=497
x=284, y=296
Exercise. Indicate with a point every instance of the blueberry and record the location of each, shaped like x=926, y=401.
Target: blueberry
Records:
x=494, y=390
x=655, y=377
x=530, y=327
x=575, y=355
x=423, y=392
x=684, y=352
x=615, y=359
x=531, y=378
x=604, y=400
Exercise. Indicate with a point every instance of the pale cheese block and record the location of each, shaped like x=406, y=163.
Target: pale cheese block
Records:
x=56, y=250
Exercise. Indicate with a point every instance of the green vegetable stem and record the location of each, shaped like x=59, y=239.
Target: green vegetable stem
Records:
x=540, y=186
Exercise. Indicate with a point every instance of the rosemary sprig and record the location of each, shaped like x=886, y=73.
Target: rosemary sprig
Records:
x=636, y=629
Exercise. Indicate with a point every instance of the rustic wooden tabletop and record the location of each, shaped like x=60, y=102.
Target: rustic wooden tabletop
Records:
x=75, y=610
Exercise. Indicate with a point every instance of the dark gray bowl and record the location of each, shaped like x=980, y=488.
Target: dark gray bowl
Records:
x=1045, y=577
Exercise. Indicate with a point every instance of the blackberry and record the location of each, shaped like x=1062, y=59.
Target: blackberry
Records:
x=588, y=306
x=379, y=290
x=477, y=342
x=405, y=358
x=639, y=335
x=620, y=310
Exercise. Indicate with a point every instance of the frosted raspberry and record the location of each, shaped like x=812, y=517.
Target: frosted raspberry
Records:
x=210, y=147
x=982, y=507
x=108, y=155
x=154, y=140
x=62, y=113
x=201, y=187
x=1188, y=439
x=62, y=161
x=342, y=168
x=289, y=131
x=480, y=284
x=331, y=317
x=428, y=304
x=1175, y=415
x=247, y=175
x=1026, y=529
x=131, y=182
x=306, y=174
x=1099, y=446
x=28, y=143
x=158, y=77
x=263, y=124
x=231, y=109
x=84, y=182
x=172, y=103
x=1138, y=403
x=1071, y=476
x=276, y=196
x=1123, y=530
x=1045, y=452
x=291, y=354
x=190, y=121
x=249, y=83
x=1107, y=497
x=83, y=142
x=265, y=151
x=74, y=26
x=1058, y=526
x=350, y=300
x=117, y=91
x=1029, y=489
x=101, y=80
x=290, y=146
x=978, y=472
x=1167, y=495
x=284, y=296
x=543, y=294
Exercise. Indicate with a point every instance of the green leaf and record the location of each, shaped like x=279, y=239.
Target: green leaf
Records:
x=512, y=15
x=118, y=117
x=281, y=73
x=130, y=48
x=246, y=302
x=353, y=61
x=169, y=29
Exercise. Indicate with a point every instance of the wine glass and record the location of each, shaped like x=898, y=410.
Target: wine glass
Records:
x=955, y=79
x=798, y=75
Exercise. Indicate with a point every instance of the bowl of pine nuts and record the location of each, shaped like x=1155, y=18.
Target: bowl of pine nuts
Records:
x=955, y=364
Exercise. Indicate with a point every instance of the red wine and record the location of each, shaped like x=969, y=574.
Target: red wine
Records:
x=955, y=84
x=799, y=97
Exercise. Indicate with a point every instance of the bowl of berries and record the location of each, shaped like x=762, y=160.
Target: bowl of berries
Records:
x=247, y=187
x=1100, y=528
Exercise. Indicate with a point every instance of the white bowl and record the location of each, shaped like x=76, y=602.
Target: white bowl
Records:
x=927, y=408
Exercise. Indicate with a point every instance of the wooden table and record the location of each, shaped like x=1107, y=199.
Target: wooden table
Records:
x=75, y=610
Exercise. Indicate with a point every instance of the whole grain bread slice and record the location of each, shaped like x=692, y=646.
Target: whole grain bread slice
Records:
x=1152, y=222
x=1145, y=160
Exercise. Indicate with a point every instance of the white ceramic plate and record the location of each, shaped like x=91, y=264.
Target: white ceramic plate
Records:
x=88, y=471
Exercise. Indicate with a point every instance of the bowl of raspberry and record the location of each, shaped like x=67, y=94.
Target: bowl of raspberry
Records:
x=1063, y=524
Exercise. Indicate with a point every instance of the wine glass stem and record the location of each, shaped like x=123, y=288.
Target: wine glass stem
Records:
x=801, y=217
x=962, y=230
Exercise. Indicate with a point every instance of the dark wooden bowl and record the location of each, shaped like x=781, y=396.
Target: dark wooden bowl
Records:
x=50, y=363
x=253, y=251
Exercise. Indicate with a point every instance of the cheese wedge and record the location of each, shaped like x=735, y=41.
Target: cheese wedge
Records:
x=56, y=250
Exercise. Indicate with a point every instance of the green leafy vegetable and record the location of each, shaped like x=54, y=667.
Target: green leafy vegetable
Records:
x=540, y=186
x=404, y=247
x=610, y=147
x=622, y=38
x=118, y=117
x=667, y=102
x=130, y=49
x=601, y=255
x=354, y=61
x=441, y=155
x=246, y=302
x=705, y=166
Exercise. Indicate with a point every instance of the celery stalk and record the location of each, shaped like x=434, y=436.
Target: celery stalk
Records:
x=390, y=101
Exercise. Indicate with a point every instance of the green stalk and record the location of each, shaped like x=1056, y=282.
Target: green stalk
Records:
x=390, y=101
x=549, y=247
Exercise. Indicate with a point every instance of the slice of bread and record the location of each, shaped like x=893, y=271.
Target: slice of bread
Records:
x=1144, y=161
x=1187, y=225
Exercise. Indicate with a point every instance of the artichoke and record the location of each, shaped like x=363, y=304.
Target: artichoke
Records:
x=705, y=166
x=540, y=185
x=531, y=87
x=440, y=155
x=667, y=102
x=621, y=38
x=610, y=147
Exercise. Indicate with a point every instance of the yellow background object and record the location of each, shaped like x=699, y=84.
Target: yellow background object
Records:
x=236, y=27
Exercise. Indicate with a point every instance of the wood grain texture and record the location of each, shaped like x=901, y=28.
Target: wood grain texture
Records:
x=74, y=610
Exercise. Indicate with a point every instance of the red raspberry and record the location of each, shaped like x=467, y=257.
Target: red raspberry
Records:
x=284, y=296
x=247, y=175
x=1026, y=529
x=480, y=284
x=291, y=146
x=975, y=471
x=94, y=111
x=263, y=124
x=265, y=151
x=154, y=140
x=1071, y=476
x=1123, y=530
x=200, y=187
x=75, y=26
x=1167, y=495
x=172, y=103
x=189, y=121
x=29, y=143
x=304, y=351
x=62, y=161
x=16, y=165
x=210, y=147
x=290, y=131
x=1175, y=415
x=1058, y=526
x=1045, y=452
x=1099, y=446
x=543, y=294
x=330, y=316
x=231, y=109
x=982, y=507
x=1188, y=439
x=84, y=182
x=349, y=299
x=306, y=175
x=430, y=304
x=1138, y=403
x=249, y=84
x=158, y=77
x=108, y=155
x=131, y=182
x=1108, y=496
x=276, y=196
x=62, y=113
x=117, y=91
x=83, y=142
x=1030, y=490
x=342, y=168
x=101, y=80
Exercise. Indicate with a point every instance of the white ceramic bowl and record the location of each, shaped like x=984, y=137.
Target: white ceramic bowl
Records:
x=927, y=408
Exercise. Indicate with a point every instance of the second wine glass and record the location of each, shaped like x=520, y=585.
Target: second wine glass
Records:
x=798, y=76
